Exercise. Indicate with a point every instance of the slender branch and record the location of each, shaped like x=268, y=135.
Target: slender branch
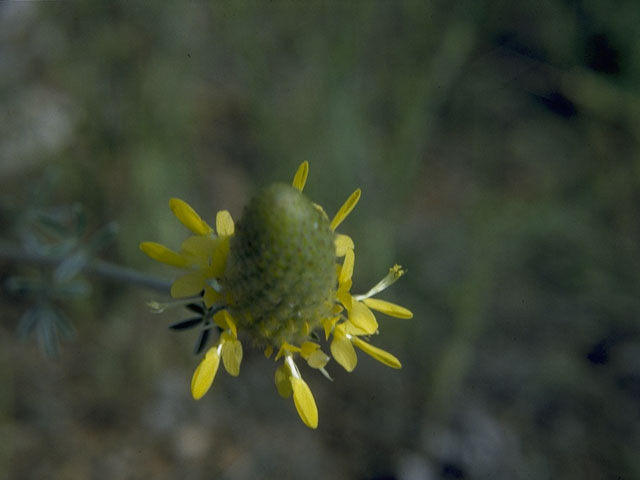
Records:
x=110, y=271
x=127, y=275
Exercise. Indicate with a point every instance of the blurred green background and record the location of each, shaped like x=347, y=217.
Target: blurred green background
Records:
x=497, y=146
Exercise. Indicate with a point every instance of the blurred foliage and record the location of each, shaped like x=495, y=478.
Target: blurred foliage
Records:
x=496, y=144
x=56, y=239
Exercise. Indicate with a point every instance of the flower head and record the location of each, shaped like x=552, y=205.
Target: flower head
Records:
x=275, y=281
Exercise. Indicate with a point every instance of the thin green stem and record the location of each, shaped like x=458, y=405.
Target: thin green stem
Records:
x=100, y=268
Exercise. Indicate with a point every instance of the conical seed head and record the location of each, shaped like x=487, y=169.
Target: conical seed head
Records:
x=280, y=276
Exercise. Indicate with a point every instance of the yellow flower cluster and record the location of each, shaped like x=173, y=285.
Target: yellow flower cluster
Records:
x=350, y=320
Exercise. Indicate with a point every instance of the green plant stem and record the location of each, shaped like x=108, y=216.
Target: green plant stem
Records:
x=100, y=268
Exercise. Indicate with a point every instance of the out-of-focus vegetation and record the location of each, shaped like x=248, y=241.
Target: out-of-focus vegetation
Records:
x=497, y=146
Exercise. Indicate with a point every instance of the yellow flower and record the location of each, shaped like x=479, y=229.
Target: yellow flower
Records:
x=205, y=373
x=360, y=320
x=204, y=254
x=273, y=280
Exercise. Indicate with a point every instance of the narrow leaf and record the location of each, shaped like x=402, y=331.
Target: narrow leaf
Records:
x=202, y=341
x=186, y=324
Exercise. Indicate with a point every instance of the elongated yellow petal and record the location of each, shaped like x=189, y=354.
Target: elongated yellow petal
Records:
x=205, y=373
x=160, y=253
x=345, y=209
x=347, y=267
x=231, y=323
x=377, y=353
x=210, y=296
x=188, y=217
x=224, y=320
x=231, y=354
x=328, y=324
x=388, y=308
x=305, y=403
x=300, y=177
x=318, y=359
x=219, y=258
x=343, y=244
x=315, y=357
x=268, y=351
x=342, y=350
x=363, y=318
x=345, y=297
x=200, y=247
x=307, y=348
x=352, y=329
x=187, y=285
x=283, y=384
x=224, y=223
x=286, y=348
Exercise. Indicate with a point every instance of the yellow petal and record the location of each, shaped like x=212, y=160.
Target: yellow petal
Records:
x=286, y=348
x=388, y=308
x=219, y=258
x=187, y=285
x=205, y=373
x=188, y=217
x=283, y=384
x=352, y=329
x=363, y=318
x=300, y=177
x=305, y=404
x=210, y=296
x=345, y=286
x=377, y=353
x=347, y=267
x=224, y=320
x=231, y=323
x=163, y=254
x=268, y=351
x=342, y=351
x=318, y=359
x=343, y=243
x=224, y=223
x=345, y=209
x=199, y=246
x=307, y=348
x=328, y=324
x=219, y=319
x=345, y=297
x=231, y=354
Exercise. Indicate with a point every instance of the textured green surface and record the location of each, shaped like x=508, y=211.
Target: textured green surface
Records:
x=281, y=268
